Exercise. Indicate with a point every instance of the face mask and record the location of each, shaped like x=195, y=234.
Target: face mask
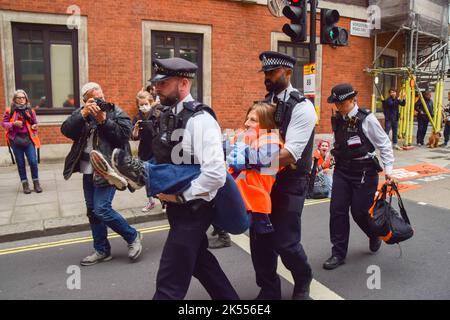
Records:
x=145, y=108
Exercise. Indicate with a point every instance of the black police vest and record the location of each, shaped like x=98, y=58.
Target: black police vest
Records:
x=283, y=114
x=163, y=143
x=348, y=130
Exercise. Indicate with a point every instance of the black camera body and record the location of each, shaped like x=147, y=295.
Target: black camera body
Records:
x=103, y=105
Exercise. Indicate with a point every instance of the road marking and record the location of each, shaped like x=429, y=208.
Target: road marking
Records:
x=422, y=203
x=317, y=291
x=311, y=202
x=40, y=246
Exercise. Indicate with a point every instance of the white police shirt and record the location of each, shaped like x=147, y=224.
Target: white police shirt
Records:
x=301, y=126
x=377, y=136
x=203, y=139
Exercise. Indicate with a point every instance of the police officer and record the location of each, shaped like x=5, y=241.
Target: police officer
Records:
x=296, y=118
x=357, y=134
x=190, y=213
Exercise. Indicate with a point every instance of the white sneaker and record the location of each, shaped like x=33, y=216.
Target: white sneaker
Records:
x=149, y=206
x=135, y=248
x=102, y=167
x=397, y=147
x=95, y=258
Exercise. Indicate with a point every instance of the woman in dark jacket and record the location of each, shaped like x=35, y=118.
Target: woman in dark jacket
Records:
x=143, y=131
x=21, y=133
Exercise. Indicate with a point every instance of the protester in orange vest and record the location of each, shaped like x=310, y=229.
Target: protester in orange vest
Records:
x=323, y=179
x=251, y=163
x=21, y=135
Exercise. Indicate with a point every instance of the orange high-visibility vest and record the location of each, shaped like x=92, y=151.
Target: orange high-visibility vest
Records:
x=255, y=187
x=32, y=133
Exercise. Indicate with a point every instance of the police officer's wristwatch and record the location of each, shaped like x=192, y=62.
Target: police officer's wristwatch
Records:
x=181, y=199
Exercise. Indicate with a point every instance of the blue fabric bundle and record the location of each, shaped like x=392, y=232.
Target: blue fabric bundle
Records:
x=231, y=214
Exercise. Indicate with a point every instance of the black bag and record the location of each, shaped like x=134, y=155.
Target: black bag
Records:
x=387, y=223
x=21, y=140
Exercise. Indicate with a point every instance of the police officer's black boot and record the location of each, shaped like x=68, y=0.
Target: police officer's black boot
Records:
x=374, y=244
x=222, y=241
x=333, y=262
x=26, y=187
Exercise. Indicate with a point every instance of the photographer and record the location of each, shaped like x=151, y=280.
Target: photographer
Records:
x=101, y=126
x=144, y=131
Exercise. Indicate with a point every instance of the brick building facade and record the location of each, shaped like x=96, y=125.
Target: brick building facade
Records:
x=116, y=41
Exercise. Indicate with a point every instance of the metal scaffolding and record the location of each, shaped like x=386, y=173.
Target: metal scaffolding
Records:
x=425, y=58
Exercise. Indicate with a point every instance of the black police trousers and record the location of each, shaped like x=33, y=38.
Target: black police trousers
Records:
x=288, y=199
x=354, y=191
x=186, y=254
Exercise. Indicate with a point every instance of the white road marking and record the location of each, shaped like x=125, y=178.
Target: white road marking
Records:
x=422, y=203
x=317, y=291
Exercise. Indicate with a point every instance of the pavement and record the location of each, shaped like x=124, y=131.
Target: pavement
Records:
x=61, y=209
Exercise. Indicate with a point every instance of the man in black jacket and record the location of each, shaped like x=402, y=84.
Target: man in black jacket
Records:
x=99, y=126
x=391, y=111
x=422, y=117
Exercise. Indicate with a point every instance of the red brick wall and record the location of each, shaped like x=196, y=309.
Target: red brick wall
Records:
x=239, y=33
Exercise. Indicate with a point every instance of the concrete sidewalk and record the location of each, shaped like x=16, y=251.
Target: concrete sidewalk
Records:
x=60, y=208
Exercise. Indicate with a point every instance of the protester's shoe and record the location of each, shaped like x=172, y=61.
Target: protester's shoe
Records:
x=149, y=206
x=135, y=248
x=102, y=167
x=37, y=186
x=95, y=258
x=132, y=170
x=374, y=244
x=222, y=241
x=332, y=263
x=397, y=147
x=26, y=187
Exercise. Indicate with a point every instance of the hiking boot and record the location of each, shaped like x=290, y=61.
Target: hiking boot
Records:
x=102, y=167
x=132, y=170
x=26, y=187
x=135, y=248
x=95, y=258
x=37, y=186
x=222, y=241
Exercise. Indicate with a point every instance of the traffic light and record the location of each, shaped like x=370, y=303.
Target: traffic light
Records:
x=297, y=13
x=329, y=33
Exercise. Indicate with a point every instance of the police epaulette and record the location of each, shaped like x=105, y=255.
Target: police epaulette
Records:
x=296, y=96
x=365, y=111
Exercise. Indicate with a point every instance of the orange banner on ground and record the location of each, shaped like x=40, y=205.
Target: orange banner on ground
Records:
x=417, y=171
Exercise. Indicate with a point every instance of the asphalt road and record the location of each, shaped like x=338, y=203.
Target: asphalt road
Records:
x=37, y=268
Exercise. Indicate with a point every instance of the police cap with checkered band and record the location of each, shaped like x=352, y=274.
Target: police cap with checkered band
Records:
x=172, y=67
x=272, y=60
x=341, y=92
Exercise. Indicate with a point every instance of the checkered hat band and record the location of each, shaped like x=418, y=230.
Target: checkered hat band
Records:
x=270, y=62
x=182, y=74
x=342, y=97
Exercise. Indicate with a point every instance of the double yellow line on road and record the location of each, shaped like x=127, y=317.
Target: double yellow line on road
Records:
x=40, y=246
x=66, y=242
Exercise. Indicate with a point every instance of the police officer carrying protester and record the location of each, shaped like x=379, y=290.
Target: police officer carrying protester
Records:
x=190, y=213
x=295, y=117
x=357, y=134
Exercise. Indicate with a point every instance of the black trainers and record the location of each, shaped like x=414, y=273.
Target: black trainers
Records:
x=131, y=169
x=374, y=244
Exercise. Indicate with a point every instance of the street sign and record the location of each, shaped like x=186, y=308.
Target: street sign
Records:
x=360, y=29
x=309, y=69
x=309, y=79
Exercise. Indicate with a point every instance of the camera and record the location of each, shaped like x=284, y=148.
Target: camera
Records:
x=103, y=105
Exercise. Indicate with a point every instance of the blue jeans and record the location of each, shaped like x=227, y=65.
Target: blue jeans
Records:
x=30, y=152
x=392, y=124
x=98, y=200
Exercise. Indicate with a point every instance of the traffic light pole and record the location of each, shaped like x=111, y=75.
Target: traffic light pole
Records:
x=312, y=32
